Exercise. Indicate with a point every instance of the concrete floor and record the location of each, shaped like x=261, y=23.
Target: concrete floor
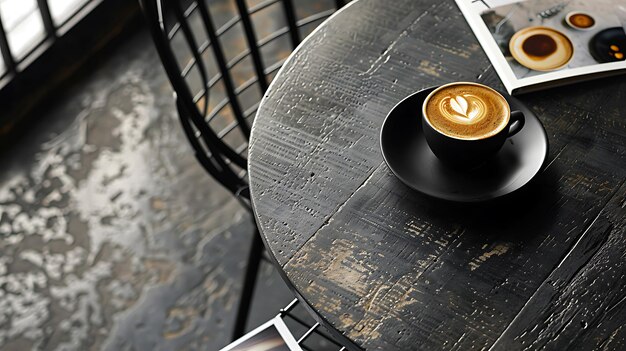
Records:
x=112, y=237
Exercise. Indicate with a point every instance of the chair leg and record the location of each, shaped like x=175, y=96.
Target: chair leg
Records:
x=252, y=269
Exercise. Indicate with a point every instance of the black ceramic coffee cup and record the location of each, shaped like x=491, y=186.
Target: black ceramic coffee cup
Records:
x=468, y=153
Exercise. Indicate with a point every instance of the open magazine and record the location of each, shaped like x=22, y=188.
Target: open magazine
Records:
x=271, y=336
x=538, y=44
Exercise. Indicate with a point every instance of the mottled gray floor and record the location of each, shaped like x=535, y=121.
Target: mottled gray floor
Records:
x=111, y=235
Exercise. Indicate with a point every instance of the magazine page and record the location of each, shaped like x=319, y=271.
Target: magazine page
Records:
x=271, y=336
x=536, y=44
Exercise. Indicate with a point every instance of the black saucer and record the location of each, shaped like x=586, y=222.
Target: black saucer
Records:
x=600, y=44
x=408, y=156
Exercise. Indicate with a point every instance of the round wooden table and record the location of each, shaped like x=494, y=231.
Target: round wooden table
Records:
x=391, y=269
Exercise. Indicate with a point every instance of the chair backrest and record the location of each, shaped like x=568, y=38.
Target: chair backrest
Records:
x=220, y=56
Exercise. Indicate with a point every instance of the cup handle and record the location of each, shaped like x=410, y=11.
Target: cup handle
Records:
x=516, y=123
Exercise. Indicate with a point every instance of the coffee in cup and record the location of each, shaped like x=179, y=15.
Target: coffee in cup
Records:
x=580, y=20
x=541, y=48
x=539, y=45
x=466, y=123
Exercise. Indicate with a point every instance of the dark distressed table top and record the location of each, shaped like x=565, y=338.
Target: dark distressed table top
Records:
x=393, y=270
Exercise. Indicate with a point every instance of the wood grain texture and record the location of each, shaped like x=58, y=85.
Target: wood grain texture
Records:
x=394, y=270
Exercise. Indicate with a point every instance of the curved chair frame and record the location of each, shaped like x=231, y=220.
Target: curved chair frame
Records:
x=221, y=160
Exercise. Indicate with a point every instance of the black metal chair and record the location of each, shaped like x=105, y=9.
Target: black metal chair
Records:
x=219, y=67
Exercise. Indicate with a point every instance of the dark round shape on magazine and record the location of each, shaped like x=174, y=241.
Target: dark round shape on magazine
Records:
x=609, y=45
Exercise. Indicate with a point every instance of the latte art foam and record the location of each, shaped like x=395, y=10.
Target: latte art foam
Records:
x=463, y=109
x=467, y=111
